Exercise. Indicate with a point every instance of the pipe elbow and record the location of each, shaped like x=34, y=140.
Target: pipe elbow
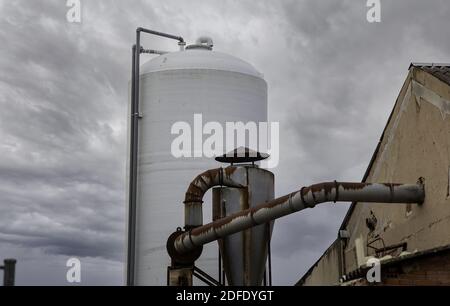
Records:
x=193, y=200
x=208, y=179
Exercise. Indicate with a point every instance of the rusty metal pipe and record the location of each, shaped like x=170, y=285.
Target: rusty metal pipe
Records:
x=306, y=197
x=193, y=200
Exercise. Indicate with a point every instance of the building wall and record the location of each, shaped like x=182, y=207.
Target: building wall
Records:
x=429, y=270
x=327, y=270
x=416, y=144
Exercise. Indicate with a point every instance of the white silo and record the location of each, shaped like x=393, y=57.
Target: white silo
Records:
x=174, y=87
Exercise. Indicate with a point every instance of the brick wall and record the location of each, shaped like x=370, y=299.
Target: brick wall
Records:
x=429, y=270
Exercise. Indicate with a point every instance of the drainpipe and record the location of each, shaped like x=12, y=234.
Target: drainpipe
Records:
x=132, y=179
x=193, y=201
x=134, y=136
x=307, y=197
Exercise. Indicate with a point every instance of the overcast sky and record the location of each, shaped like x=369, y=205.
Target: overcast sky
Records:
x=333, y=79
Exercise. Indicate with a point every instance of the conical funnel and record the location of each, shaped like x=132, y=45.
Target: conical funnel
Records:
x=244, y=254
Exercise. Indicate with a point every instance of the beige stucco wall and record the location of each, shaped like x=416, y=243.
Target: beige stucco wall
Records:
x=416, y=144
x=326, y=272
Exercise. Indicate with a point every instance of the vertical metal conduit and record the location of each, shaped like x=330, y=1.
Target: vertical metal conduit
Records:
x=132, y=180
x=134, y=136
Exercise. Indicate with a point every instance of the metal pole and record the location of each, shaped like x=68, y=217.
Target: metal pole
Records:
x=9, y=272
x=134, y=138
x=133, y=159
x=307, y=197
x=269, y=255
x=148, y=31
x=220, y=268
x=132, y=180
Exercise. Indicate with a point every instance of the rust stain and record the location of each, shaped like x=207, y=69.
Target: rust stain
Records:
x=211, y=174
x=317, y=190
x=229, y=171
x=353, y=186
x=196, y=189
x=203, y=182
x=221, y=223
x=326, y=187
x=275, y=202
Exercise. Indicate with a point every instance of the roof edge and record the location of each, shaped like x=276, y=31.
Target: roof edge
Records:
x=302, y=280
x=419, y=64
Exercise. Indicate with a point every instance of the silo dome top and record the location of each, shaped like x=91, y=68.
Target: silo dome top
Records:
x=199, y=59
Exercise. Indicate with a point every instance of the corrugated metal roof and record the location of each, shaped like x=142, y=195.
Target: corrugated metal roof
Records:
x=440, y=71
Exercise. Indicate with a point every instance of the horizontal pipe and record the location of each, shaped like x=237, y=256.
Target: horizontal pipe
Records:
x=307, y=197
x=179, y=38
x=151, y=51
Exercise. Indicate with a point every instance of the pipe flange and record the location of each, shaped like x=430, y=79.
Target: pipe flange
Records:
x=185, y=258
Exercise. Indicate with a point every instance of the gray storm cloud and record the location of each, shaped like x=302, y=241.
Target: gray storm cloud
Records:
x=333, y=79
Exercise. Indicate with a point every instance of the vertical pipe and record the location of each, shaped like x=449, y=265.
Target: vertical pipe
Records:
x=224, y=278
x=269, y=255
x=134, y=138
x=168, y=276
x=135, y=118
x=132, y=180
x=220, y=268
x=137, y=71
x=9, y=272
x=340, y=253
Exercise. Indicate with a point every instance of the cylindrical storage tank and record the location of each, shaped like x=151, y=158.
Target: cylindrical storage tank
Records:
x=174, y=87
x=244, y=254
